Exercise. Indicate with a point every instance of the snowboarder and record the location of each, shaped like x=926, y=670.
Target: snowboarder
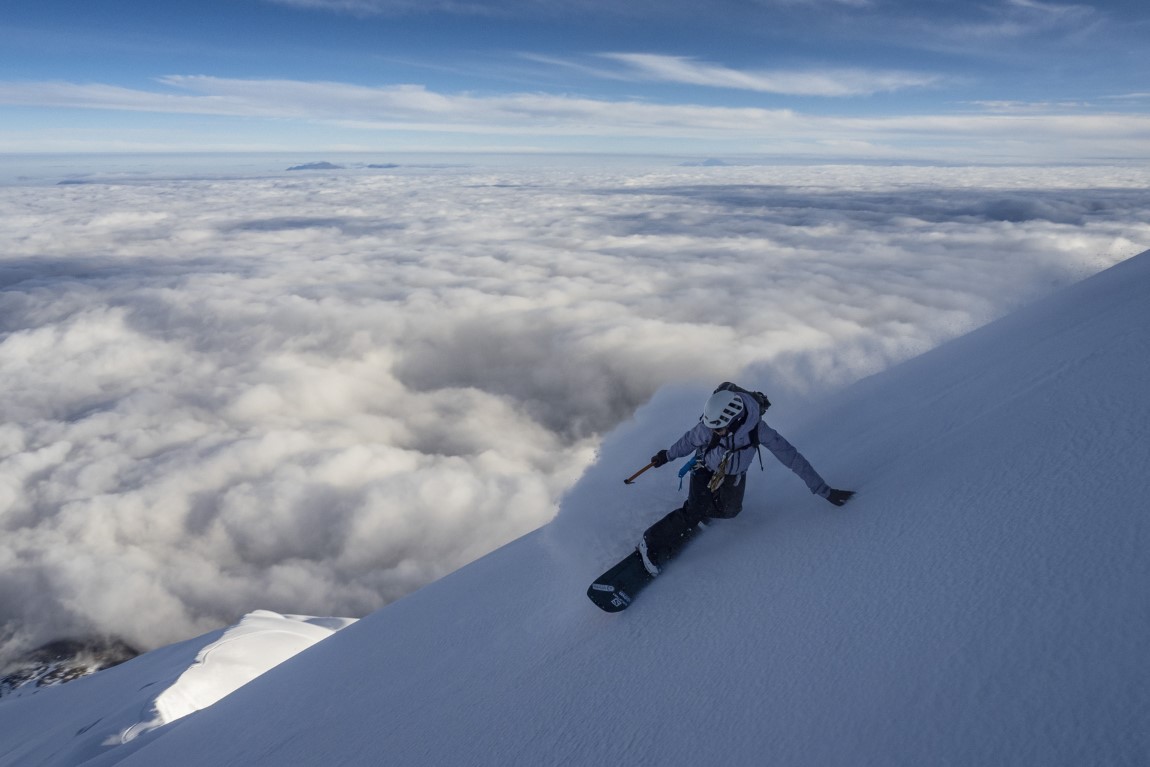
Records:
x=725, y=443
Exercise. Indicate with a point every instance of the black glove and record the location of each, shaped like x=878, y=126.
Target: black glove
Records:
x=839, y=497
x=660, y=458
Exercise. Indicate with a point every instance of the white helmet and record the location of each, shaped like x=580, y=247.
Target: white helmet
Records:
x=721, y=409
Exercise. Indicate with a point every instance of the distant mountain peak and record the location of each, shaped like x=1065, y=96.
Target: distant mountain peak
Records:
x=63, y=661
x=317, y=166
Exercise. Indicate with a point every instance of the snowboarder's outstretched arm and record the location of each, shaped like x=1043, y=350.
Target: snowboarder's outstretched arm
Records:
x=790, y=457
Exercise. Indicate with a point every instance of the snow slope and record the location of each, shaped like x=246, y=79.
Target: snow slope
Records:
x=65, y=726
x=984, y=599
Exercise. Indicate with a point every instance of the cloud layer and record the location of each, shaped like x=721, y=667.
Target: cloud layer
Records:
x=314, y=393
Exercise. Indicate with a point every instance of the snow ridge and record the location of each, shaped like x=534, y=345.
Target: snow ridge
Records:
x=260, y=641
x=93, y=717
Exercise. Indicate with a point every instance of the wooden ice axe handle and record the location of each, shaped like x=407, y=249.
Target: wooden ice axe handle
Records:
x=635, y=476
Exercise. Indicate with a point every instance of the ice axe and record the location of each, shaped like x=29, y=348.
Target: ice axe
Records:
x=629, y=480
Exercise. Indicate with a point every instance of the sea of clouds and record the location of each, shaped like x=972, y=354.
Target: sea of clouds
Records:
x=315, y=392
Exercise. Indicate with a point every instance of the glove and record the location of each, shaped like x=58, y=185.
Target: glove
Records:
x=660, y=458
x=839, y=497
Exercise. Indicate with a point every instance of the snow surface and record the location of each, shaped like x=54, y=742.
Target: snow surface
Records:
x=166, y=685
x=983, y=600
x=260, y=641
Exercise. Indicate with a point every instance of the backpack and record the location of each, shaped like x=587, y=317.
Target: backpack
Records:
x=763, y=403
x=758, y=396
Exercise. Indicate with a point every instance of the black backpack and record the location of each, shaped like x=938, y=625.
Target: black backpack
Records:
x=763, y=403
x=758, y=396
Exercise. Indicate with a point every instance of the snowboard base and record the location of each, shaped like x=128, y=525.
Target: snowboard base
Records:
x=615, y=589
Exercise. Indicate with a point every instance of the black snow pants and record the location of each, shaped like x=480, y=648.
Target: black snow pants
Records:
x=667, y=537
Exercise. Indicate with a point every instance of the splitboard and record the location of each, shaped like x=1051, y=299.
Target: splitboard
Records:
x=615, y=589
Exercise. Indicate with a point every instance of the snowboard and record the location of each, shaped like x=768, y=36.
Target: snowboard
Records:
x=615, y=589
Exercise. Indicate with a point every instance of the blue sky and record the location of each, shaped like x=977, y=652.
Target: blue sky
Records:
x=990, y=81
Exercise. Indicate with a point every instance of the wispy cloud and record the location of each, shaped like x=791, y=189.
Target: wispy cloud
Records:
x=394, y=7
x=999, y=135
x=1015, y=19
x=543, y=8
x=828, y=82
x=506, y=9
x=1033, y=107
